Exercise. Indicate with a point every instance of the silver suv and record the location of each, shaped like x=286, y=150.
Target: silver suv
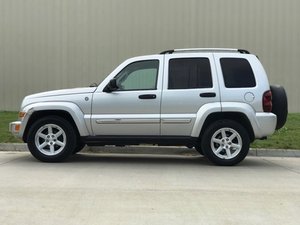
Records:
x=214, y=100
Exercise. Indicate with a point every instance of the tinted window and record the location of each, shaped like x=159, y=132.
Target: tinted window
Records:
x=189, y=73
x=237, y=73
x=140, y=75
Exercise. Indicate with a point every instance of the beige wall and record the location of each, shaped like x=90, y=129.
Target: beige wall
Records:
x=52, y=44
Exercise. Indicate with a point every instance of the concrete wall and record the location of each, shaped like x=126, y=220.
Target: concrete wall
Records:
x=52, y=44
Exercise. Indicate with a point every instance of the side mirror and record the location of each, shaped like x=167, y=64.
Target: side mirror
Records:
x=93, y=85
x=111, y=86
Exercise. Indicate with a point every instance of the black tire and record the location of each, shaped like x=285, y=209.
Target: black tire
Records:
x=279, y=105
x=223, y=148
x=51, y=139
x=78, y=147
x=199, y=149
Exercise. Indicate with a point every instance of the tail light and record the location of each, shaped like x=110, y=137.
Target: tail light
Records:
x=267, y=101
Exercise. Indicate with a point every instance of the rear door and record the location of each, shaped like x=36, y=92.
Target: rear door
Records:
x=189, y=83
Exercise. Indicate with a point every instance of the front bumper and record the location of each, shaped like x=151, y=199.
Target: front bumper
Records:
x=15, y=128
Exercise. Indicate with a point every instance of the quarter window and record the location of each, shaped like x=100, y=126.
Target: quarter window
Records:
x=189, y=73
x=237, y=73
x=140, y=75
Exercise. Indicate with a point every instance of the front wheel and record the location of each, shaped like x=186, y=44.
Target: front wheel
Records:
x=78, y=147
x=51, y=139
x=225, y=142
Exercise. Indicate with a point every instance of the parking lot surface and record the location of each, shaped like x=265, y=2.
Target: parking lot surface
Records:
x=148, y=189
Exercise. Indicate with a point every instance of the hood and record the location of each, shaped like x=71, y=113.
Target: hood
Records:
x=68, y=95
x=61, y=92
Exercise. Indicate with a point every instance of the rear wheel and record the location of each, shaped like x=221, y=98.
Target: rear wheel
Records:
x=51, y=139
x=225, y=143
x=199, y=150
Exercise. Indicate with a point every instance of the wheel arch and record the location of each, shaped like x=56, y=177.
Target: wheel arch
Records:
x=43, y=113
x=239, y=117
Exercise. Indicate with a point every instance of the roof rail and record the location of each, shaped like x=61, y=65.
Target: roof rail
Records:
x=243, y=51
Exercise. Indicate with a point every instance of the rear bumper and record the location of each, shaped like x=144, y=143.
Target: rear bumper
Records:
x=266, y=124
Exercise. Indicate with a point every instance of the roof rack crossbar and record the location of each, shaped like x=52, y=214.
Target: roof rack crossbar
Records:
x=167, y=52
x=243, y=51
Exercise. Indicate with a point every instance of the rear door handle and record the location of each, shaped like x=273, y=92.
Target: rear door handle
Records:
x=208, y=95
x=149, y=96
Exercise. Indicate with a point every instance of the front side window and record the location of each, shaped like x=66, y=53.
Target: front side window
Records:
x=189, y=73
x=140, y=75
x=237, y=73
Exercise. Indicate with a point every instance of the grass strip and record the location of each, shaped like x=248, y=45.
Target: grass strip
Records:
x=5, y=135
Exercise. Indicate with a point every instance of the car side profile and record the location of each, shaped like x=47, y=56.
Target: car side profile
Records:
x=217, y=101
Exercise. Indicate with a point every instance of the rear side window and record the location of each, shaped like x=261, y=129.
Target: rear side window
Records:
x=188, y=73
x=237, y=73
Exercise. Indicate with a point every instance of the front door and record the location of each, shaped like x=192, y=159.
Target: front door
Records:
x=134, y=108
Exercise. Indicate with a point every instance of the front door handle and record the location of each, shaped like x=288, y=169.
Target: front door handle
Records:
x=208, y=95
x=147, y=96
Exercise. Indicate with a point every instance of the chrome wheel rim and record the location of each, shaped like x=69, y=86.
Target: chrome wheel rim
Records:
x=50, y=139
x=226, y=143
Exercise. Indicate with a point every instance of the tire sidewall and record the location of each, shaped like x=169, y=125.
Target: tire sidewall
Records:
x=208, y=134
x=70, y=139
